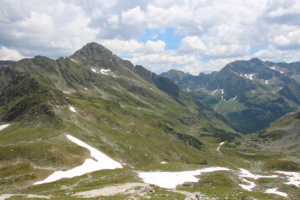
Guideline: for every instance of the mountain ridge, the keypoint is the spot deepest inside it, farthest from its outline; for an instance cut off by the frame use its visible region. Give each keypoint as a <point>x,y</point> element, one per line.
<point>283,133</point>
<point>263,90</point>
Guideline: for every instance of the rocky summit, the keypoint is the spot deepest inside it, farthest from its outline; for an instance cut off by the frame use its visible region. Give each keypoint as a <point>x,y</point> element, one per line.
<point>93,125</point>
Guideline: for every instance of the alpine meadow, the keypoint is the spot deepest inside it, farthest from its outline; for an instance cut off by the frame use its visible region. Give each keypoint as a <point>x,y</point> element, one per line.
<point>93,125</point>
<point>152,99</point>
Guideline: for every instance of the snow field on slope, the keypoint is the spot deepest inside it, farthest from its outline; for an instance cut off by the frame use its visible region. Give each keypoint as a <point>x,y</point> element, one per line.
<point>293,177</point>
<point>172,179</point>
<point>167,180</point>
<point>100,162</point>
<point>72,109</point>
<point>246,174</point>
<point>274,191</point>
<point>218,149</point>
<point>3,126</point>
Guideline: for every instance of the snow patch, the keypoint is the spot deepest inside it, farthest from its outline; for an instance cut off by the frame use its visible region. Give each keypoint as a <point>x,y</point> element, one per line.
<point>214,91</point>
<point>72,109</point>
<point>281,72</point>
<point>267,82</point>
<point>101,71</point>
<point>100,161</point>
<point>172,179</point>
<point>273,68</point>
<point>104,71</point>
<point>293,177</point>
<point>163,162</point>
<point>221,90</point>
<point>275,191</point>
<point>249,76</point>
<point>231,99</point>
<point>246,174</point>
<point>3,126</point>
<point>218,149</point>
<point>247,187</point>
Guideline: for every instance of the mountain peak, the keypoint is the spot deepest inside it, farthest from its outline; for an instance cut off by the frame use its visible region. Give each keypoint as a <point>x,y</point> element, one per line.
<point>99,58</point>
<point>92,50</point>
<point>174,75</point>
<point>255,60</point>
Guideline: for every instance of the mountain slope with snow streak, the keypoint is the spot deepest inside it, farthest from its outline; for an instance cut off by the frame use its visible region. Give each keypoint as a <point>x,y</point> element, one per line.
<point>100,161</point>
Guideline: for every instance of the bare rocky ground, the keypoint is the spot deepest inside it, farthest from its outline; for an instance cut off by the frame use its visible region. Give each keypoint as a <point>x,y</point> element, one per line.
<point>136,190</point>
<point>140,189</point>
<point>23,196</point>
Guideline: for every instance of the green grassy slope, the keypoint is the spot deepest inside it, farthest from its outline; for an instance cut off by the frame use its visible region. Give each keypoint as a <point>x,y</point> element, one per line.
<point>283,134</point>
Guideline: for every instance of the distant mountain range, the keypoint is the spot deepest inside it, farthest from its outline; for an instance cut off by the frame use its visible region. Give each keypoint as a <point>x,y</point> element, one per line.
<point>250,94</point>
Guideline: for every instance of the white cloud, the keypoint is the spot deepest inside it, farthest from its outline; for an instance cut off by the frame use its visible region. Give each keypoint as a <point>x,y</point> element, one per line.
<point>283,12</point>
<point>276,55</point>
<point>10,54</point>
<point>52,28</point>
<point>133,47</point>
<point>228,50</point>
<point>167,59</point>
<point>211,49</point>
<point>213,32</point>
<point>113,21</point>
<point>192,43</point>
<point>133,17</point>
<point>290,40</point>
<point>155,46</point>
<point>179,17</point>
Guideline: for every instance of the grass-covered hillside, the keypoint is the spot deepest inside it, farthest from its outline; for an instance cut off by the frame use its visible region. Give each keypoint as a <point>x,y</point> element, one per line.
<point>284,133</point>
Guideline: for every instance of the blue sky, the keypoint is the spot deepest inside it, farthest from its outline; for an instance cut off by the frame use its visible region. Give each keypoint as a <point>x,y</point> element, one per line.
<point>169,36</point>
<point>188,35</point>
